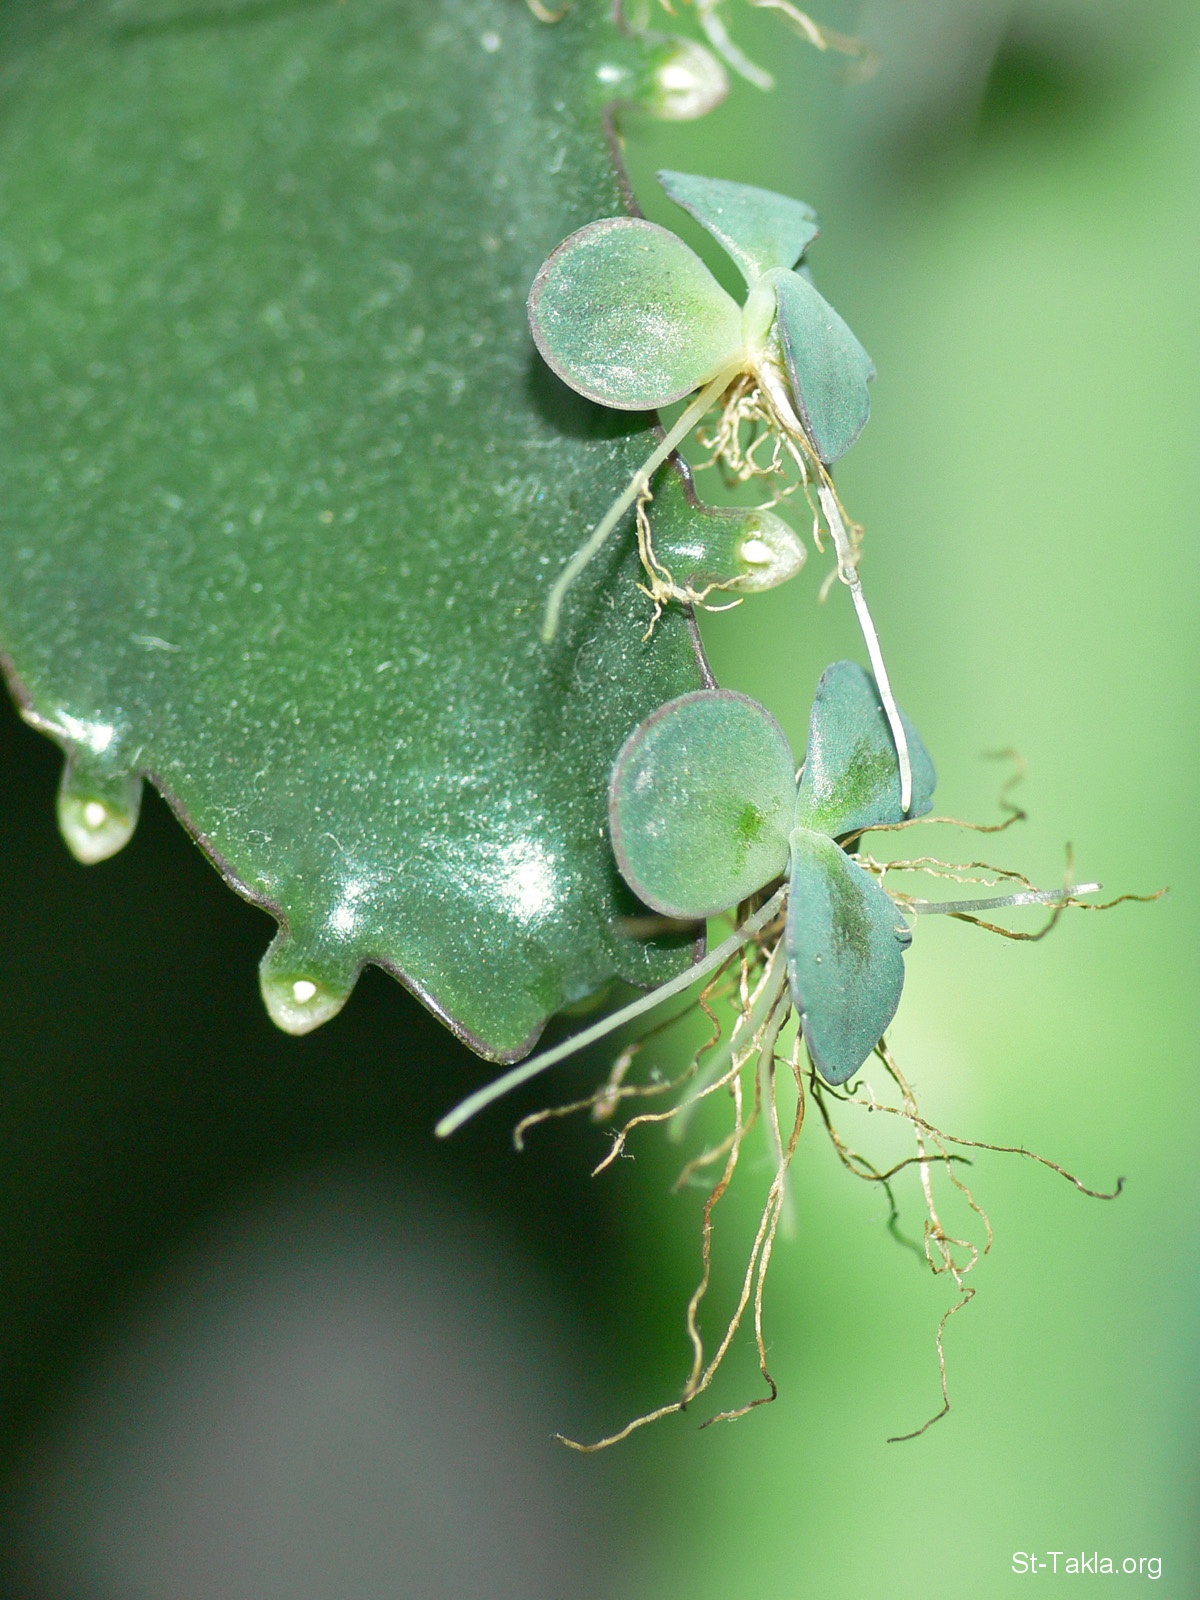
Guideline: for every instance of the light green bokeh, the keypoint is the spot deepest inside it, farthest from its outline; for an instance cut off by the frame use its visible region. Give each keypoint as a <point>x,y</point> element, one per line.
<point>1029,482</point>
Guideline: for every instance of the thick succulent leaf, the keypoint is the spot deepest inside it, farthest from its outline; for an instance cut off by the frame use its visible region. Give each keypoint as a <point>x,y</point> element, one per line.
<point>851,776</point>
<point>845,944</point>
<point>757,228</point>
<point>701,802</point>
<point>629,316</point>
<point>828,367</point>
<point>283,482</point>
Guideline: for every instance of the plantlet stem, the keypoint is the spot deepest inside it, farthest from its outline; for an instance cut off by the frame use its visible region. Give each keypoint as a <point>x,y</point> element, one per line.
<point>638,484</point>
<point>499,1087</point>
<point>1028,897</point>
<point>746,1036</point>
<point>847,560</point>
<point>848,572</point>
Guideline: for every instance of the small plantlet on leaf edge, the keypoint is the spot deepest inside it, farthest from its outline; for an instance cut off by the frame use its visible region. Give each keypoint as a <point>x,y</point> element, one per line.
<point>706,813</point>
<point>630,317</point>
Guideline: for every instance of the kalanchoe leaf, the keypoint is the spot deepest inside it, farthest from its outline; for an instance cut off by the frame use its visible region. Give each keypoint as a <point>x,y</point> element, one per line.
<point>700,803</point>
<point>626,314</point>
<point>828,368</point>
<point>281,495</point>
<point>851,777</point>
<point>756,227</point>
<point>845,943</point>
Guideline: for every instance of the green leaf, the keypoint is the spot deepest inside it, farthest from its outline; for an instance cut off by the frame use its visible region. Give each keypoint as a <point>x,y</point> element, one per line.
<point>629,316</point>
<point>755,227</point>
<point>845,943</point>
<point>283,482</point>
<point>700,804</point>
<point>828,367</point>
<point>851,777</point>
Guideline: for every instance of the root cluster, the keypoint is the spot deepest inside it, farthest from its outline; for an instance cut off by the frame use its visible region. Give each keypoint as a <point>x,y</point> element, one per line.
<point>753,1051</point>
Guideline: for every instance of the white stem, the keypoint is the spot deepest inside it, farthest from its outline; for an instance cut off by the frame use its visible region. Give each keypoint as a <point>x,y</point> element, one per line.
<point>847,558</point>
<point>637,484</point>
<point>745,1030</point>
<point>466,1109</point>
<point>848,572</point>
<point>998,902</point>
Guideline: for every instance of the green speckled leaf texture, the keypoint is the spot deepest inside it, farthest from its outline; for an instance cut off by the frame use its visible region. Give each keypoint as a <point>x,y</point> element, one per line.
<point>283,482</point>
<point>757,228</point>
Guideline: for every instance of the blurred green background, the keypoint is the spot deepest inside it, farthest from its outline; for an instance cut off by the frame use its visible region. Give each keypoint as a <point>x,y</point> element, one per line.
<point>1011,214</point>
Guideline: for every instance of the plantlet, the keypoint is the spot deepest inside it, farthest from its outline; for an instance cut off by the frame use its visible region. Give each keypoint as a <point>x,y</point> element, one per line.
<point>707,815</point>
<point>629,316</point>
<point>705,811</point>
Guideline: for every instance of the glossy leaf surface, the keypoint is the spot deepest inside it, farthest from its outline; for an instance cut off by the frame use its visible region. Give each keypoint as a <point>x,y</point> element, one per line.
<point>283,482</point>
<point>701,802</point>
<point>845,944</point>
<point>629,316</point>
<point>757,228</point>
<point>828,367</point>
<point>851,778</point>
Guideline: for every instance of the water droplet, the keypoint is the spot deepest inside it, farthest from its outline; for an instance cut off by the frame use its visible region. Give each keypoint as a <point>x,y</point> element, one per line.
<point>97,811</point>
<point>302,987</point>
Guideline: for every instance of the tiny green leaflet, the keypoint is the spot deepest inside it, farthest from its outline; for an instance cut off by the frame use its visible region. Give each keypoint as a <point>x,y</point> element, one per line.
<point>628,315</point>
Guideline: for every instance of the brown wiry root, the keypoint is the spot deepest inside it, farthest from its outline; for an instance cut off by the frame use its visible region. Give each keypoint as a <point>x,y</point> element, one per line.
<point>739,1064</point>
<point>945,1254</point>
<point>704,1371</point>
<point>660,585</point>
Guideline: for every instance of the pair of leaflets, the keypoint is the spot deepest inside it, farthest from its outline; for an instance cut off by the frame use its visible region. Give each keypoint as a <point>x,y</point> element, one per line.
<point>628,315</point>
<point>705,810</point>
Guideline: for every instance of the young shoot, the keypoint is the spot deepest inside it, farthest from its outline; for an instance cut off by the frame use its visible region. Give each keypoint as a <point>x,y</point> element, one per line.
<point>629,316</point>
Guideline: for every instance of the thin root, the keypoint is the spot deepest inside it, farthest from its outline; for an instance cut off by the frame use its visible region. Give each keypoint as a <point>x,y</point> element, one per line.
<point>944,1253</point>
<point>765,1009</point>
<point>821,38</point>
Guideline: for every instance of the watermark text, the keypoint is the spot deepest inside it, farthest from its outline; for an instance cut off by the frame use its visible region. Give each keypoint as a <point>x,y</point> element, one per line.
<point>1057,1563</point>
